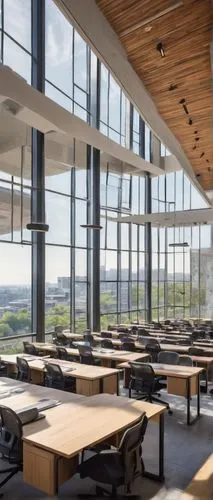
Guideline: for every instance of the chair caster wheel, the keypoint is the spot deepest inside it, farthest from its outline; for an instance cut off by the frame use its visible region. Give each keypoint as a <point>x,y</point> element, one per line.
<point>170,412</point>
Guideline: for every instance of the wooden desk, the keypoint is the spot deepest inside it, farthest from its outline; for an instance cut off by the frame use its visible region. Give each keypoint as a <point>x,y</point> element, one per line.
<point>60,437</point>
<point>201,486</point>
<point>90,380</point>
<point>181,381</point>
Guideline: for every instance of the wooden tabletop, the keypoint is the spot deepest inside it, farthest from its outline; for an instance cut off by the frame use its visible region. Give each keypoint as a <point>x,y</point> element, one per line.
<point>170,370</point>
<point>74,426</point>
<point>77,370</point>
<point>116,355</point>
<point>31,395</point>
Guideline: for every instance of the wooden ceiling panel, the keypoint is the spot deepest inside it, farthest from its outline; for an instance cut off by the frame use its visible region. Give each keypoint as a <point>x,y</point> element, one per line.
<point>186,34</point>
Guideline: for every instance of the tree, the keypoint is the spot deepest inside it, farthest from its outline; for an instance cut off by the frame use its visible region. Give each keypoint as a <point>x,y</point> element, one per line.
<point>58,315</point>
<point>5,329</point>
<point>18,322</point>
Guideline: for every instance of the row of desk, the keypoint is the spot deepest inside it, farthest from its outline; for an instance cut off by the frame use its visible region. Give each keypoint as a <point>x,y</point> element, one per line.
<point>51,446</point>
<point>90,380</point>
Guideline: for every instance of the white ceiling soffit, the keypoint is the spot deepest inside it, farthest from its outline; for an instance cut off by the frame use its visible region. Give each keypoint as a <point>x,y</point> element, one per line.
<point>166,219</point>
<point>95,29</point>
<point>40,112</point>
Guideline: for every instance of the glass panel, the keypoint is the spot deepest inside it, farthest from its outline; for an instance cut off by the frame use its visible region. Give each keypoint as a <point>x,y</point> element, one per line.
<point>125,236</point>
<point>104,94</point>
<point>80,218</point>
<point>58,218</point>
<point>134,266</point>
<point>15,289</point>
<point>124,266</point>
<point>80,265</point>
<point>80,61</point>
<point>114,105</point>
<point>17,21</point>
<point>141,266</point>
<point>141,295</point>
<point>111,234</point>
<point>179,191</point>
<point>80,307</point>
<point>17,59</point>
<point>58,56</point>
<point>58,97</point>
<point>134,229</point>
<point>57,287</point>
<point>108,297</point>
<point>124,297</point>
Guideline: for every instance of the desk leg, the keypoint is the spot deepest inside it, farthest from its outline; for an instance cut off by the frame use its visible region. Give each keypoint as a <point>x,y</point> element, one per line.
<point>159,477</point>
<point>207,379</point>
<point>118,379</point>
<point>189,421</point>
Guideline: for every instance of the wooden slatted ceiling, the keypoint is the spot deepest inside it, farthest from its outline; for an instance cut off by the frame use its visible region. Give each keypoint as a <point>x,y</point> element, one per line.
<point>186,33</point>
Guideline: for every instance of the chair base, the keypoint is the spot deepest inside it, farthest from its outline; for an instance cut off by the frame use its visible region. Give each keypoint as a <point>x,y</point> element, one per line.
<point>153,399</point>
<point>11,471</point>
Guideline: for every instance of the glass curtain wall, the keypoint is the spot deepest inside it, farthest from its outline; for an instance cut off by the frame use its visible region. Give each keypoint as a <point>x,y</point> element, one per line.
<point>180,285</point>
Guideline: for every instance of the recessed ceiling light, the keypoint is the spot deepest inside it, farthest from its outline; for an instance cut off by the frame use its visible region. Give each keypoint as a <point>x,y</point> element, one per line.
<point>172,87</point>
<point>182,101</point>
<point>190,121</point>
<point>147,29</point>
<point>194,147</point>
<point>202,154</point>
<point>197,138</point>
<point>160,49</point>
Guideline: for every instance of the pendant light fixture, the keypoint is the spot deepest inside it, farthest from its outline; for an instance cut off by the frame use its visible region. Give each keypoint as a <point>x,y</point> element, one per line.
<point>96,227</point>
<point>179,244</point>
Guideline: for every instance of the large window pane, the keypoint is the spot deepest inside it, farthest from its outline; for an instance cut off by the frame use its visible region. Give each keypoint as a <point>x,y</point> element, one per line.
<point>15,289</point>
<point>108,297</point>
<point>17,59</point>
<point>80,265</point>
<point>59,33</point>
<point>58,218</point>
<point>80,61</point>
<point>57,287</point>
<point>17,21</point>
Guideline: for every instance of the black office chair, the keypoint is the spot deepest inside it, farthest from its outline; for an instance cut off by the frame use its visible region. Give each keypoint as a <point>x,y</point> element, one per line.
<point>11,444</point>
<point>107,344</point>
<point>88,337</point>
<point>118,467</point>
<point>3,369</point>
<point>128,346</point>
<point>106,335</point>
<point>62,353</point>
<point>23,373</point>
<point>134,329</point>
<point>143,380</point>
<point>185,360</point>
<point>142,332</point>
<point>196,351</point>
<point>30,349</point>
<point>168,358</point>
<point>61,339</point>
<point>86,355</point>
<point>153,348</point>
<point>124,337</point>
<point>55,378</point>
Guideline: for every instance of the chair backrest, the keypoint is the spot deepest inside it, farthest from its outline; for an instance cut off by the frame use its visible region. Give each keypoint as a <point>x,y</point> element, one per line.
<point>124,337</point>
<point>86,356</point>
<point>123,329</point>
<point>62,352</point>
<point>88,337</point>
<point>143,332</point>
<point>196,351</point>
<point>106,344</point>
<point>153,348</point>
<point>23,369</point>
<point>168,357</point>
<point>185,360</point>
<point>128,346</point>
<point>106,335</point>
<point>59,329</point>
<point>29,348</point>
<point>130,449</point>
<point>62,339</point>
<point>11,446</point>
<point>54,376</point>
<point>142,377</point>
<point>134,329</point>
